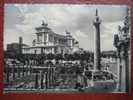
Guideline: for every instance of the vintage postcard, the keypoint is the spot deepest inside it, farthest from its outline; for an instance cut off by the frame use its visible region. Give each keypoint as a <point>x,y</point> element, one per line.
<point>66,48</point>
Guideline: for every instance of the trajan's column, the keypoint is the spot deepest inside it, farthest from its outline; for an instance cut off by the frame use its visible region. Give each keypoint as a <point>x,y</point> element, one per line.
<point>97,58</point>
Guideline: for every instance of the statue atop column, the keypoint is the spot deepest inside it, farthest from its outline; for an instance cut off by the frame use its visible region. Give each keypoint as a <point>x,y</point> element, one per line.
<point>44,23</point>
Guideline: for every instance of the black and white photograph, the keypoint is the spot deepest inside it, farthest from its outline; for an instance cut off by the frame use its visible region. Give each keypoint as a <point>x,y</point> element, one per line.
<point>66,48</point>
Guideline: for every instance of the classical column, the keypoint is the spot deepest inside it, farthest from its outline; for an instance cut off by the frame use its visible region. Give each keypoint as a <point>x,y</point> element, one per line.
<point>30,69</point>
<point>42,78</point>
<point>126,50</point>
<point>23,71</point>
<point>36,79</point>
<point>41,50</point>
<point>26,70</point>
<point>43,38</point>
<point>18,71</point>
<point>46,80</point>
<point>97,58</point>
<point>47,38</point>
<point>13,72</point>
<point>7,74</point>
<point>119,72</point>
<point>122,43</point>
<point>52,76</point>
<point>126,66</point>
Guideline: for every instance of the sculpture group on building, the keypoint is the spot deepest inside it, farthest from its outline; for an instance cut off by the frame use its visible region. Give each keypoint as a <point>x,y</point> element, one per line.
<point>48,41</point>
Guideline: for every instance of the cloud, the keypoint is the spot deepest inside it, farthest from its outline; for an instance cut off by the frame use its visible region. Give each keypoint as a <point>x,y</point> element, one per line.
<point>12,16</point>
<point>80,34</point>
<point>21,20</point>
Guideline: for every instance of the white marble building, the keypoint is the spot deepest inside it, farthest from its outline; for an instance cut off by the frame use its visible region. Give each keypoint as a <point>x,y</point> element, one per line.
<point>48,41</point>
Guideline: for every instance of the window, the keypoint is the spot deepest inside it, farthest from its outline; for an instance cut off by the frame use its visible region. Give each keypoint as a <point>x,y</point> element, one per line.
<point>45,38</point>
<point>39,37</point>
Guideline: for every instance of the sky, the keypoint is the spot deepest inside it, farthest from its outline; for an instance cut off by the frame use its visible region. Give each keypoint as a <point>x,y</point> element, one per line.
<point>21,20</point>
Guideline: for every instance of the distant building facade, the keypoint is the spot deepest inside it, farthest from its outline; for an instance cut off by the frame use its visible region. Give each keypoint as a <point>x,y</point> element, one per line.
<point>15,48</point>
<point>48,41</point>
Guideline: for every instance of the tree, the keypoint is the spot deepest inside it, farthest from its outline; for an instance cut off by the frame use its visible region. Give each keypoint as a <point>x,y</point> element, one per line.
<point>50,56</point>
<point>67,57</point>
<point>76,56</point>
<point>85,56</point>
<point>58,57</point>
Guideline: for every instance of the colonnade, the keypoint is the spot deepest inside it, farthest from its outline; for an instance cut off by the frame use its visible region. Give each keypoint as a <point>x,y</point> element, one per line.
<point>42,78</point>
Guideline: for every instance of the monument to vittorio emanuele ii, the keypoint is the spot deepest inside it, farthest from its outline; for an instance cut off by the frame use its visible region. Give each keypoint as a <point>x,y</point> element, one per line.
<point>48,41</point>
